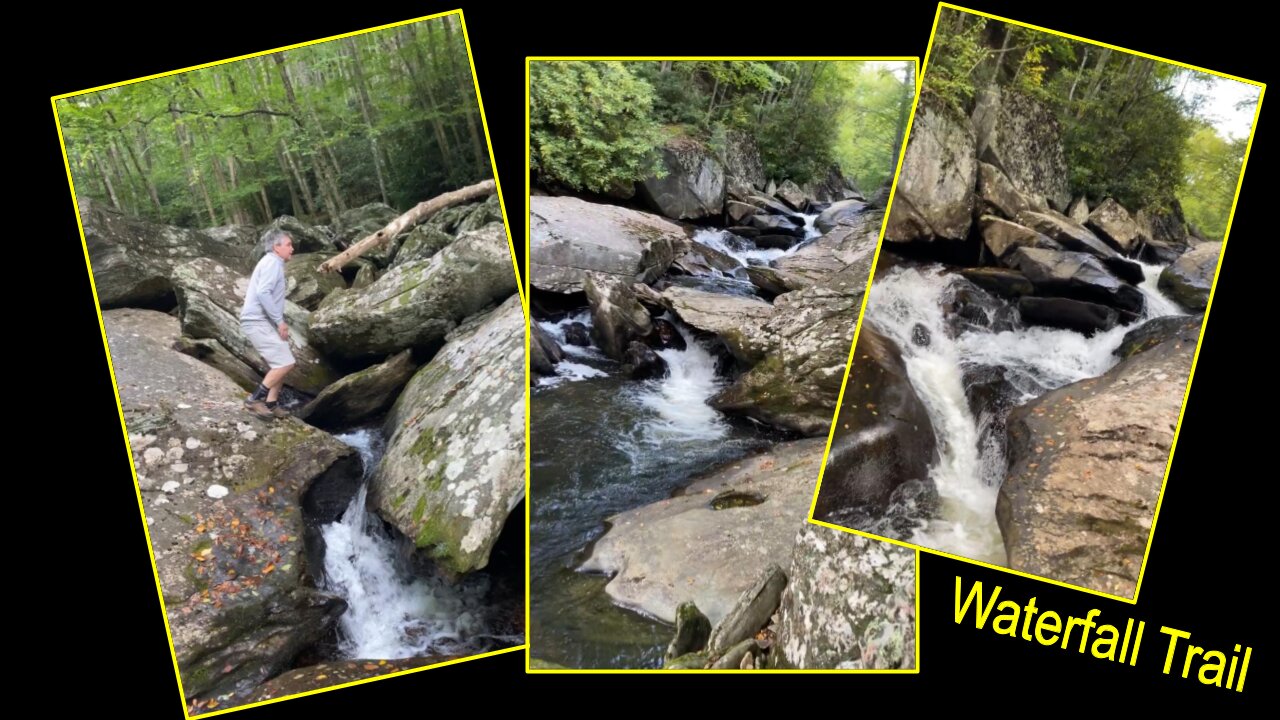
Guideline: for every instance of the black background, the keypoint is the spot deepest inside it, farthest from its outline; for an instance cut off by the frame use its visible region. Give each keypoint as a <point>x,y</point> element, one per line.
<point>83,571</point>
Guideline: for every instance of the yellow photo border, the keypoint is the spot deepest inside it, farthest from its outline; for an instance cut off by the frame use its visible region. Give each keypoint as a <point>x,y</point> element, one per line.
<point>528,580</point>
<point>111,367</point>
<point>1186,393</point>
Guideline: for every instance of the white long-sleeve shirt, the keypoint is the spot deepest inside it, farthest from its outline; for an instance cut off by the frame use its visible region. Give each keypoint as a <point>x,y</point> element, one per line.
<point>264,298</point>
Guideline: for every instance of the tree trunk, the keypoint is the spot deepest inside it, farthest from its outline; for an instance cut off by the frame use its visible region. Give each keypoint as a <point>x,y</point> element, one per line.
<point>322,171</point>
<point>366,109</point>
<point>194,180</point>
<point>429,103</point>
<point>420,212</point>
<point>106,180</point>
<point>470,97</point>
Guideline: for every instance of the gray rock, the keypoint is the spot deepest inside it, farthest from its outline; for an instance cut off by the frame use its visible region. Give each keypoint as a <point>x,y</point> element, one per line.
<point>365,276</point>
<point>454,465</point>
<point>356,224</point>
<point>1002,236</point>
<point>751,613</point>
<point>791,194</point>
<point>934,197</point>
<point>1086,462</point>
<point>1083,317</point>
<point>693,186</point>
<point>883,438</point>
<point>1079,210</point>
<point>306,238</point>
<point>833,187</point>
<point>846,251</point>
<point>692,631</point>
<point>1075,275</point>
<point>545,352</point>
<point>684,549</point>
<point>210,297</point>
<point>741,159</point>
<point>736,212</point>
<point>1154,332</point>
<point>736,319</point>
<point>1112,223</point>
<point>1021,136</point>
<point>850,603</point>
<point>570,237</point>
<point>231,568</point>
<point>735,657</point>
<point>306,286</point>
<point>617,317</point>
<point>1008,283</point>
<point>421,243</point>
<point>841,212</point>
<point>767,280</point>
<point>360,395</point>
<point>702,261</point>
<point>1067,233</point>
<point>213,354</point>
<point>776,225</point>
<point>998,194</point>
<point>640,362</point>
<point>133,260</point>
<point>416,304</point>
<point>1189,280</point>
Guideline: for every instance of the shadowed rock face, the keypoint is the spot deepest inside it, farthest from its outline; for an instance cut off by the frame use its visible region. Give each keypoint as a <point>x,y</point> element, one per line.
<point>849,604</point>
<point>693,187</point>
<point>133,260</point>
<point>453,468</point>
<point>1086,462</point>
<point>360,395</point>
<point>221,491</point>
<point>684,548</point>
<point>570,237</point>
<point>1021,136</point>
<point>1075,275</point>
<point>416,304</point>
<point>934,197</point>
<point>1189,279</point>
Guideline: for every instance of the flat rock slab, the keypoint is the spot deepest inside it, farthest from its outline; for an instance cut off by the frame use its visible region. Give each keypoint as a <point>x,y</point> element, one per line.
<point>569,237</point>
<point>737,319</point>
<point>682,548</point>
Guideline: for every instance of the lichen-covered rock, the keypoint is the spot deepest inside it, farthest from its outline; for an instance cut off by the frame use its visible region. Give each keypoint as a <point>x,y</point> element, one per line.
<point>832,187</point>
<point>569,237</point>
<point>1021,136</point>
<point>1086,462</point>
<point>850,604</point>
<point>791,194</point>
<point>362,394</point>
<point>883,436</point>
<point>421,243</point>
<point>306,286</point>
<point>998,195</point>
<point>454,465</point>
<point>133,260</point>
<point>416,304</point>
<point>736,319</point>
<point>356,224</point>
<point>1111,222</point>
<point>1189,279</point>
<point>685,549</point>
<point>847,249</point>
<point>210,297</point>
<point>692,631</point>
<point>741,160</point>
<point>221,494</point>
<point>809,333</point>
<point>693,186</point>
<point>934,198</point>
<point>617,317</point>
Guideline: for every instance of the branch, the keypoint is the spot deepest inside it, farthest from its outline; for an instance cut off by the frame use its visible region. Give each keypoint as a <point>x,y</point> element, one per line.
<point>222,116</point>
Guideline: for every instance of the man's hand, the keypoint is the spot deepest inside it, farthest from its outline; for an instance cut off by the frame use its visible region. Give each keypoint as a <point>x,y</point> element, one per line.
<point>284,331</point>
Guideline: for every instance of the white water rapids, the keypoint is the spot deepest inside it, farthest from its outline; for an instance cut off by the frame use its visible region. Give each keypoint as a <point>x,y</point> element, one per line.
<point>390,614</point>
<point>1035,359</point>
<point>745,251</point>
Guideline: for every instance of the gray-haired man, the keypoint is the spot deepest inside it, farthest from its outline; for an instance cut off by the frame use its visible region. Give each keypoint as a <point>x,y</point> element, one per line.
<point>262,321</point>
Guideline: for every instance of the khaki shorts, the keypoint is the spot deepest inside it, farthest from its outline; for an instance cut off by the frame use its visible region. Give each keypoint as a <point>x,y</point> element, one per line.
<point>266,340</point>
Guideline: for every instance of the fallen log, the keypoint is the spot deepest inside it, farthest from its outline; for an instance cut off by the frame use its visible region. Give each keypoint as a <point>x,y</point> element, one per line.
<point>417,214</point>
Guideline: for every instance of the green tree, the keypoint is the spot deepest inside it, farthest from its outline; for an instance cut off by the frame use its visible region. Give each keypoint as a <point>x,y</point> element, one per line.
<point>1212,173</point>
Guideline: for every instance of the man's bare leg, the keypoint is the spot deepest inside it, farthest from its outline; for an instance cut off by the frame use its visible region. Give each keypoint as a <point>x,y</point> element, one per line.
<point>274,380</point>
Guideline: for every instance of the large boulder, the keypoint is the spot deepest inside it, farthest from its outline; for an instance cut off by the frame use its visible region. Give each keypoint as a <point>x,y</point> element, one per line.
<point>416,304</point>
<point>1189,279</point>
<point>358,223</point>
<point>617,317</point>
<point>210,297</point>
<point>1111,222</point>
<point>850,604</point>
<point>849,249</point>
<point>360,395</point>
<point>840,212</point>
<point>544,352</point>
<point>883,437</point>
<point>741,160</point>
<point>221,491</point>
<point>712,542</point>
<point>306,285</point>
<point>421,243</point>
<point>1079,210</point>
<point>791,194</point>
<point>569,237</point>
<point>796,384</point>
<point>693,184</point>
<point>1083,317</point>
<point>1021,136</point>
<point>998,194</point>
<point>832,187</point>
<point>934,198</point>
<point>133,260</point>
<point>306,238</point>
<point>1001,236</point>
<point>737,320</point>
<point>1086,462</point>
<point>1067,233</point>
<point>1075,275</point>
<point>454,465</point>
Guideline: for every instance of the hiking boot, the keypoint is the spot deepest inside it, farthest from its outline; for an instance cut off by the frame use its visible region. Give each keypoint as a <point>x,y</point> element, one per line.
<point>278,412</point>
<point>259,408</point>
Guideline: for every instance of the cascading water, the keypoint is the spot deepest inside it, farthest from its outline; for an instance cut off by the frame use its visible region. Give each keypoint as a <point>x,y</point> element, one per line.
<point>745,251</point>
<point>390,613</point>
<point>1033,360</point>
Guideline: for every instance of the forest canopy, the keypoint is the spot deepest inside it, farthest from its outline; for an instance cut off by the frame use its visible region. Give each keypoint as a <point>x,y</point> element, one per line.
<point>1132,127</point>
<point>595,125</point>
<point>387,116</point>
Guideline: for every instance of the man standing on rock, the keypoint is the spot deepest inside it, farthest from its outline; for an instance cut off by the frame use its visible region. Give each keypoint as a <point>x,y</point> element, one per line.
<point>262,322</point>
